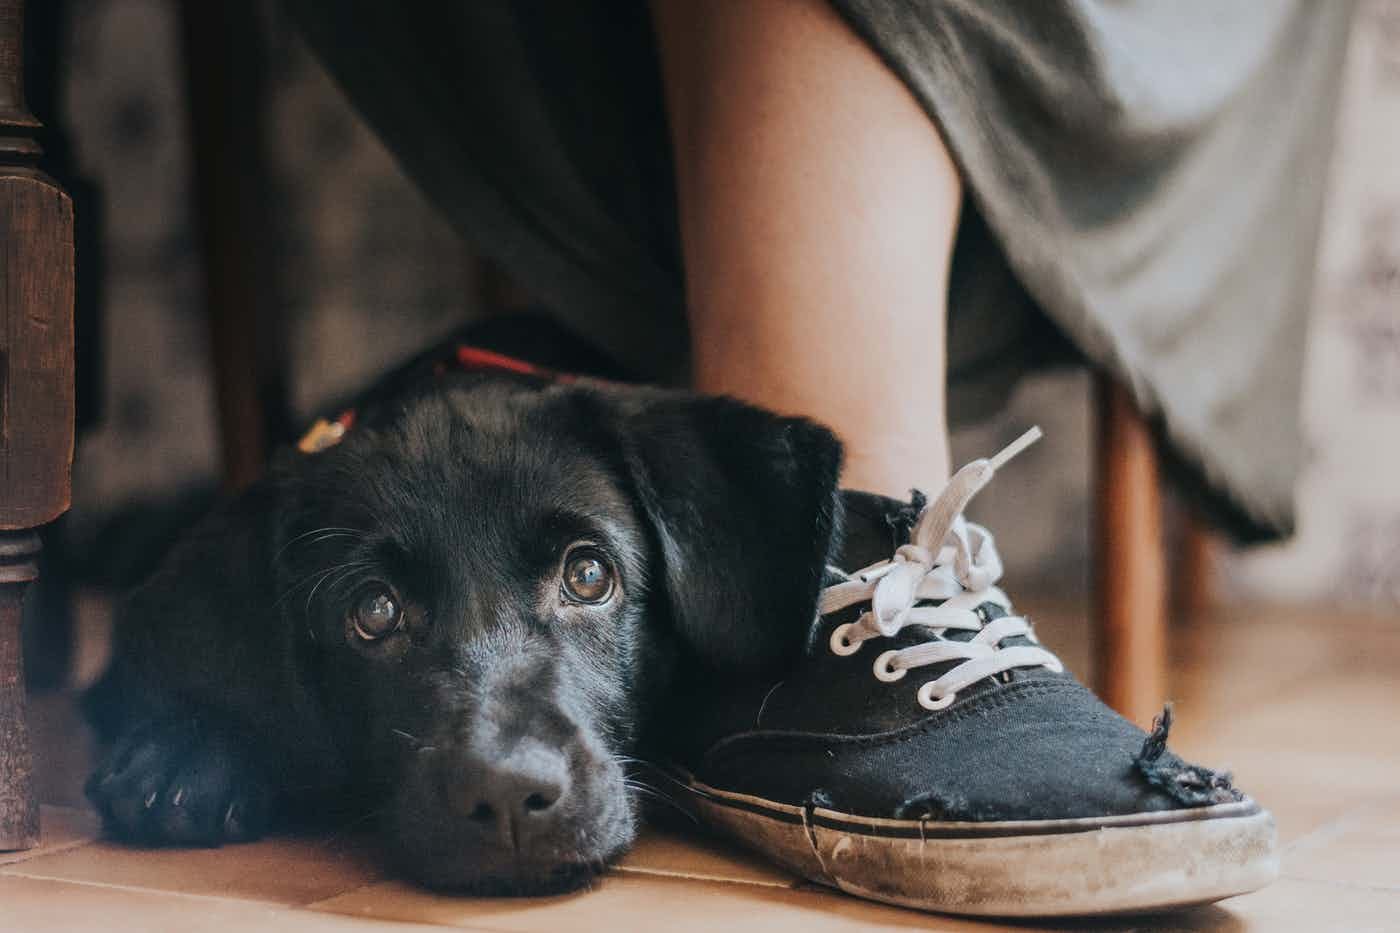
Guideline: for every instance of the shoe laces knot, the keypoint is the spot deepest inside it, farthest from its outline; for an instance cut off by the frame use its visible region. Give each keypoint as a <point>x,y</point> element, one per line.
<point>940,580</point>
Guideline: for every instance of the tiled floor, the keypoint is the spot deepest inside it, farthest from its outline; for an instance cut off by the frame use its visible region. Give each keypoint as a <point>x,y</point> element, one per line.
<point>1303,708</point>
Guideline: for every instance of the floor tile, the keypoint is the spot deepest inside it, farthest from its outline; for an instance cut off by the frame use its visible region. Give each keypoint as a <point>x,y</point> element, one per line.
<point>668,853</point>
<point>281,870</point>
<point>60,829</point>
<point>1286,783</point>
<point>679,905</point>
<point>37,905</point>
<point>644,903</point>
<point>1360,848</point>
<point>1273,696</point>
<point>1289,906</point>
<point>1244,660</point>
<point>1324,717</point>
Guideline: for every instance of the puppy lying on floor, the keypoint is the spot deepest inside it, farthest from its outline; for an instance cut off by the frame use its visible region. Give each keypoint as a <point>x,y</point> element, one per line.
<point>459,617</point>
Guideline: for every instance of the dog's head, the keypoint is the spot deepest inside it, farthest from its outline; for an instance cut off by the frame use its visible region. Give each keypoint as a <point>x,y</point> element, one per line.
<point>495,578</point>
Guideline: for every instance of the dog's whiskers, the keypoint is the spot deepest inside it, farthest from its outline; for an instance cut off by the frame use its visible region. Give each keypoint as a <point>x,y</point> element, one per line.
<point>343,570</point>
<point>329,531</point>
<point>346,573</point>
<point>657,794</point>
<point>420,746</point>
<point>311,577</point>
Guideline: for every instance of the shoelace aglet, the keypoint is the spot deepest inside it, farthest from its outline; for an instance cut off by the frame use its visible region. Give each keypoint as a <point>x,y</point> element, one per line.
<point>1016,446</point>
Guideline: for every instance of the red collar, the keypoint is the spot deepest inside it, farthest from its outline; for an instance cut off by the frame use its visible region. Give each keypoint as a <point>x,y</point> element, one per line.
<point>327,433</point>
<point>475,359</point>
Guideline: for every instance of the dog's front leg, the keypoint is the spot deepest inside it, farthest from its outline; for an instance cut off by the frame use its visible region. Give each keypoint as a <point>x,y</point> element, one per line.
<point>206,709</point>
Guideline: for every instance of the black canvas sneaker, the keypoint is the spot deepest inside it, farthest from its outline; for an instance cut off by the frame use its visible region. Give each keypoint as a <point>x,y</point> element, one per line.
<point>928,752</point>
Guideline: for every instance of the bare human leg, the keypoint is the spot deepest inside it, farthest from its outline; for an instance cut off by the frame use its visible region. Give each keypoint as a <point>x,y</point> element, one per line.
<point>818,206</point>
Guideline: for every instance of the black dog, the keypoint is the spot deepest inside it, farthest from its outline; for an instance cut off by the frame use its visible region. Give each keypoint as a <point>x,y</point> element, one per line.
<point>459,617</point>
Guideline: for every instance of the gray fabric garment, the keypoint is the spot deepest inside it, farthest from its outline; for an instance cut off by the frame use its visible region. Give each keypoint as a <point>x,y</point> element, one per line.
<point>1152,172</point>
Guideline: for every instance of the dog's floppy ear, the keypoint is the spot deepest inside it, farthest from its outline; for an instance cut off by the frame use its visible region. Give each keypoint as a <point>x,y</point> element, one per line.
<point>742,504</point>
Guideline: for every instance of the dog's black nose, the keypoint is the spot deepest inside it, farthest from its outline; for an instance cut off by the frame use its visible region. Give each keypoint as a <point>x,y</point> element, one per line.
<point>515,796</point>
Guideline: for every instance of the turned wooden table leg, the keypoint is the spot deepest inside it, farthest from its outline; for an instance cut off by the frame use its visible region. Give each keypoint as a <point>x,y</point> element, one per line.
<point>1130,644</point>
<point>36,401</point>
<point>19,810</point>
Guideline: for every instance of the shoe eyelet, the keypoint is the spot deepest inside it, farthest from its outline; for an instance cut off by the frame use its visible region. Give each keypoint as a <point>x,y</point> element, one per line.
<point>841,644</point>
<point>885,671</point>
<point>929,702</point>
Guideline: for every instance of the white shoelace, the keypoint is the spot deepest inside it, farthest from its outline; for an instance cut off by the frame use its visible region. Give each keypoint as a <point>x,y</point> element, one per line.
<point>947,558</point>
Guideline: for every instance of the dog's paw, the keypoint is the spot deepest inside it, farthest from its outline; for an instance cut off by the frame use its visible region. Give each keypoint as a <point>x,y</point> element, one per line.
<point>180,784</point>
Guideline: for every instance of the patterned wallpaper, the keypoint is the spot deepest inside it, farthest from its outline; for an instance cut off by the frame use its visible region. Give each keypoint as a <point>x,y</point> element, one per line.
<point>127,126</point>
<point>1348,544</point>
<point>368,272</point>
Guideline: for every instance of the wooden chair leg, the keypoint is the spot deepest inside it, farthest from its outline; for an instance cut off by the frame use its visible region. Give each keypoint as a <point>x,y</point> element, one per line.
<point>1193,570</point>
<point>1130,644</point>
<point>223,65</point>
<point>36,401</point>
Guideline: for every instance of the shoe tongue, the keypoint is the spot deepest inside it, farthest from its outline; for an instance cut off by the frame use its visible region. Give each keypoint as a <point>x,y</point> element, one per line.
<point>874,526</point>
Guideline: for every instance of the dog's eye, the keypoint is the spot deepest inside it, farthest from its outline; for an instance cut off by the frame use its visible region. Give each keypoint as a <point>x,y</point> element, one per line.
<point>376,614</point>
<point>588,577</point>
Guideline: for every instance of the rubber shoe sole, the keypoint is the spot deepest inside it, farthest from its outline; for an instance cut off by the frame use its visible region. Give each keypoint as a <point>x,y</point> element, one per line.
<point>1038,868</point>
